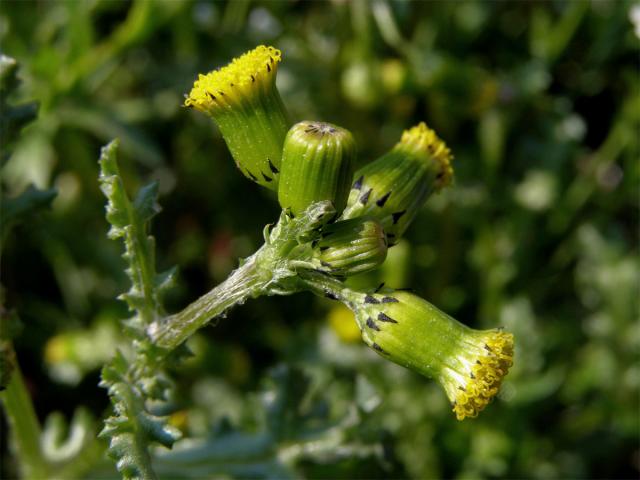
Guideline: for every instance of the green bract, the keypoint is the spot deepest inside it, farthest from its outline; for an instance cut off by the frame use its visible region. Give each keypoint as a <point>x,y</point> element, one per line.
<point>317,165</point>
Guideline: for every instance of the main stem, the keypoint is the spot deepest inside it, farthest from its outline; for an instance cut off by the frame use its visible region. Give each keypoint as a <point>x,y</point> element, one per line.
<point>25,427</point>
<point>249,280</point>
<point>271,270</point>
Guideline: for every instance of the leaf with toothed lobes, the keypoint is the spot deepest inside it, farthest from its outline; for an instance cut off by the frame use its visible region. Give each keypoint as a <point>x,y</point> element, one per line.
<point>133,382</point>
<point>129,221</point>
<point>394,187</point>
<point>12,117</point>
<point>133,428</point>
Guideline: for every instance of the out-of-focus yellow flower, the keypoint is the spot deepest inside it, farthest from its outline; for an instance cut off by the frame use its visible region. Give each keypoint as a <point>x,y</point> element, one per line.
<point>179,420</point>
<point>343,324</point>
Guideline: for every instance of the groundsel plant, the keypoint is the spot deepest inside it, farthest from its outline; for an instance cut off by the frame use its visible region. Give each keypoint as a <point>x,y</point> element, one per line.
<point>335,223</point>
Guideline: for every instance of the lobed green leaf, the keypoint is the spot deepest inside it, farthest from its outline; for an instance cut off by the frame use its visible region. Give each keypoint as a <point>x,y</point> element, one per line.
<point>131,382</point>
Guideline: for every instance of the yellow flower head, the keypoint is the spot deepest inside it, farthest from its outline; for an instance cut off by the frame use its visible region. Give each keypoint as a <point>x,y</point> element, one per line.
<point>242,99</point>
<point>237,81</point>
<point>474,377</point>
<point>421,140</point>
<point>393,188</point>
<point>406,329</point>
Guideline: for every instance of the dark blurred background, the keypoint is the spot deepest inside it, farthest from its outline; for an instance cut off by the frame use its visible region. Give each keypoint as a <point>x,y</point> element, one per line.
<point>540,104</point>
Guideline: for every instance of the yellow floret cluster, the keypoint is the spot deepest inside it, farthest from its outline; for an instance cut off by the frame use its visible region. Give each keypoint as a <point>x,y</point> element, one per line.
<point>485,376</point>
<point>243,78</point>
<point>422,139</point>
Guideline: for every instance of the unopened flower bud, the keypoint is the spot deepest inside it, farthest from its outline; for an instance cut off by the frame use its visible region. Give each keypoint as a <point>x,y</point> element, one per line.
<point>469,364</point>
<point>317,164</point>
<point>243,100</point>
<point>395,186</point>
<point>351,246</point>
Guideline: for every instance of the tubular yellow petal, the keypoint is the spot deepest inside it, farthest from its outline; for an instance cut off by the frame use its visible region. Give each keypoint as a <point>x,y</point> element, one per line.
<point>485,375</point>
<point>422,140</point>
<point>237,81</point>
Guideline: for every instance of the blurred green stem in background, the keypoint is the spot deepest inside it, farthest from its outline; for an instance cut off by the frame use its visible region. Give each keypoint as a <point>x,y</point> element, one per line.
<point>144,17</point>
<point>25,427</point>
<point>620,137</point>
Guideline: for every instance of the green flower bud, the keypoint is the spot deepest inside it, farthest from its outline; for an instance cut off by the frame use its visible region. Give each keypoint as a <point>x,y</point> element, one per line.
<point>243,100</point>
<point>470,364</point>
<point>351,246</point>
<point>395,186</point>
<point>317,164</point>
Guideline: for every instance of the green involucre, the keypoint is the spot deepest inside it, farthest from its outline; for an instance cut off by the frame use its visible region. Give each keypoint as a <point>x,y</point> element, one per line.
<point>254,134</point>
<point>394,187</point>
<point>317,165</point>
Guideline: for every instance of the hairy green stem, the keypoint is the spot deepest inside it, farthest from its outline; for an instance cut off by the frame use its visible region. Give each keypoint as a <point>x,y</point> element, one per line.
<point>252,279</point>
<point>248,281</point>
<point>272,270</point>
<point>25,427</point>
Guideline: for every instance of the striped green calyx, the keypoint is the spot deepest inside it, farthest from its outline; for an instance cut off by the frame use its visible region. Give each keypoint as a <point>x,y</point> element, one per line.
<point>317,165</point>
<point>469,364</point>
<point>351,246</point>
<point>244,102</point>
<point>395,186</point>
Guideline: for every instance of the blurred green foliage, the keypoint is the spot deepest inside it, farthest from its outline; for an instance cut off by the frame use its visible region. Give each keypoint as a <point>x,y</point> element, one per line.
<point>540,103</point>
